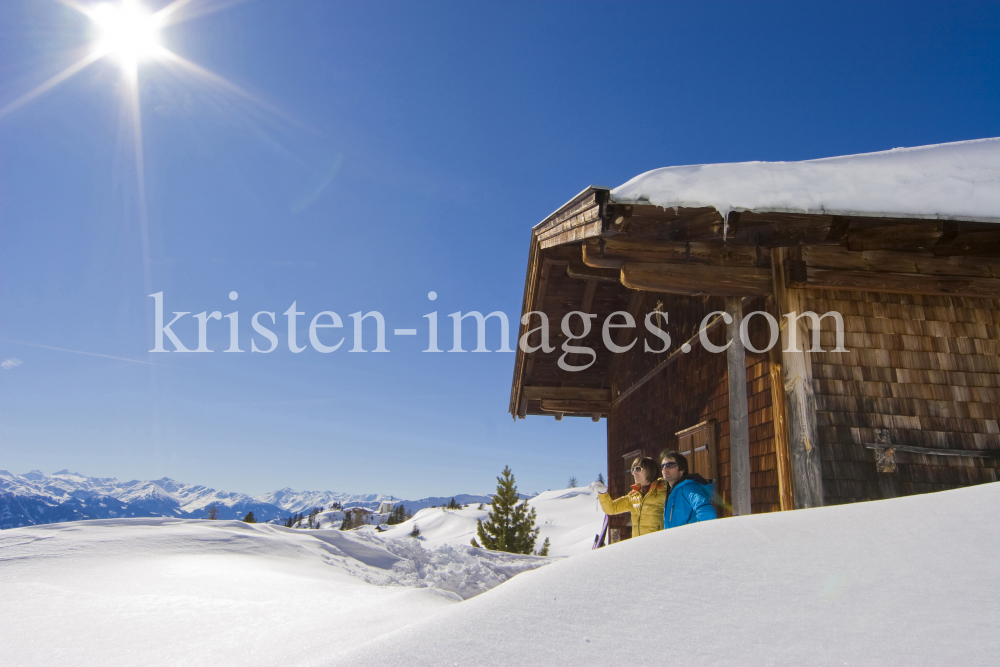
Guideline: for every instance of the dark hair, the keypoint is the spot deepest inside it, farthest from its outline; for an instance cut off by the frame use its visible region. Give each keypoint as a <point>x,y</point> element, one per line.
<point>649,465</point>
<point>679,458</point>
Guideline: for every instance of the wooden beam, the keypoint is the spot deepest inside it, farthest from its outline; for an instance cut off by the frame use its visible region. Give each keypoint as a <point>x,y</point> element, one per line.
<point>580,218</point>
<point>611,252</point>
<point>697,280</point>
<point>800,403</point>
<point>593,256</point>
<point>779,417</point>
<point>885,261</point>
<point>903,283</point>
<point>583,225</point>
<point>588,408</point>
<point>581,271</point>
<point>909,235</point>
<point>929,451</point>
<point>972,242</point>
<point>671,358</point>
<point>566,393</point>
<point>739,418</point>
<point>538,303</point>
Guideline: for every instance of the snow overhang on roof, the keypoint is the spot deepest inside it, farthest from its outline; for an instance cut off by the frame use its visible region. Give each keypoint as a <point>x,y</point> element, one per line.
<point>955,181</point>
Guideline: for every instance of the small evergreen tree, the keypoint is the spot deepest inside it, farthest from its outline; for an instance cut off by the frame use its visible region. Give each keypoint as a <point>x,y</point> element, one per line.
<point>481,507</point>
<point>600,477</point>
<point>453,505</point>
<point>572,482</point>
<point>510,524</point>
<point>415,533</point>
<point>544,551</point>
<point>349,521</point>
<point>213,512</point>
<point>249,518</point>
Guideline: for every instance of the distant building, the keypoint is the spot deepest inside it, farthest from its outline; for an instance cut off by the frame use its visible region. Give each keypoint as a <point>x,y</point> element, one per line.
<point>386,506</point>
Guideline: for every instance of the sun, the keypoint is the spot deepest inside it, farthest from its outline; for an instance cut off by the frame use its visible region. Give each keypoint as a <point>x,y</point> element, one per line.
<point>128,32</point>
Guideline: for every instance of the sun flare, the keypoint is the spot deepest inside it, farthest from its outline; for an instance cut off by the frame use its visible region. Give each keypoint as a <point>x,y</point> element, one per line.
<point>128,32</point>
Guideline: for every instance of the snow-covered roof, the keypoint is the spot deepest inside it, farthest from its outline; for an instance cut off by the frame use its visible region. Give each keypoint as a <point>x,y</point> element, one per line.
<point>956,181</point>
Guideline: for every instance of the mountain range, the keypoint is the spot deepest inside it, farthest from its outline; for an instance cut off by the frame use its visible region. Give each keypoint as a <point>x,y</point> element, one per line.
<point>35,498</point>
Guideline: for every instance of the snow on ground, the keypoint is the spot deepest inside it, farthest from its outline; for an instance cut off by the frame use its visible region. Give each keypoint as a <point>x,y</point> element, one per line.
<point>911,581</point>
<point>570,518</point>
<point>191,592</point>
<point>959,180</point>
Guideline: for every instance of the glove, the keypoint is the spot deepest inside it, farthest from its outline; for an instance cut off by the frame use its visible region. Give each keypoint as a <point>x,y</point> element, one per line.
<point>600,488</point>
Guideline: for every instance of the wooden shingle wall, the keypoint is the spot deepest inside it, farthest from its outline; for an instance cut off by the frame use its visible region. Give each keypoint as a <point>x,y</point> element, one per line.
<point>922,371</point>
<point>691,390</point>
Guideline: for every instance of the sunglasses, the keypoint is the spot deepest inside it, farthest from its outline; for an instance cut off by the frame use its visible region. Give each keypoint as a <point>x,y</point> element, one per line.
<point>637,469</point>
<point>669,464</point>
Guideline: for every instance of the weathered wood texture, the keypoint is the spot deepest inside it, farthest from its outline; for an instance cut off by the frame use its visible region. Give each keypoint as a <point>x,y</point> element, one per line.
<point>580,218</point>
<point>739,428</point>
<point>920,371</point>
<point>697,279</point>
<point>691,390</point>
<point>779,415</point>
<point>800,403</point>
<point>556,292</point>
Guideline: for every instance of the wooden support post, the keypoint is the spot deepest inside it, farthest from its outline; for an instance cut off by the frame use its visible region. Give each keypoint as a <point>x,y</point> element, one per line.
<point>739,420</point>
<point>800,403</point>
<point>779,419</point>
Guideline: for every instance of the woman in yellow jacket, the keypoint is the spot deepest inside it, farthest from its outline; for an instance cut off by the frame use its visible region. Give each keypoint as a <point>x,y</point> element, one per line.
<point>645,501</point>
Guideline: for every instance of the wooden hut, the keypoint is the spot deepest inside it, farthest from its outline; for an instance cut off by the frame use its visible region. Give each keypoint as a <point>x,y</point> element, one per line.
<point>903,244</point>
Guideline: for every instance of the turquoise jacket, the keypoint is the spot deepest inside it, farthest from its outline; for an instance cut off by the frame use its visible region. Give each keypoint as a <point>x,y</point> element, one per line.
<point>689,502</point>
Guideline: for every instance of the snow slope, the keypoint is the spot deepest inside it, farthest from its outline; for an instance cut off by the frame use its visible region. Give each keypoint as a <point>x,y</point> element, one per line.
<point>959,180</point>
<point>911,581</point>
<point>293,502</point>
<point>570,518</point>
<point>163,591</point>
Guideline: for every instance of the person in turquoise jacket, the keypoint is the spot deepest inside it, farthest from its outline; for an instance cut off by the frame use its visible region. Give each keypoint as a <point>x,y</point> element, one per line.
<point>690,498</point>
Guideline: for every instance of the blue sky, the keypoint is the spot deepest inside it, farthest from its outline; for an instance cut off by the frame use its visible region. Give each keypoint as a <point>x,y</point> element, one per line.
<point>400,148</point>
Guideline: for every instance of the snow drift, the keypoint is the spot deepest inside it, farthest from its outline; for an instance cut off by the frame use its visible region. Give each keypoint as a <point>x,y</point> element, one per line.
<point>911,581</point>
<point>569,518</point>
<point>959,180</point>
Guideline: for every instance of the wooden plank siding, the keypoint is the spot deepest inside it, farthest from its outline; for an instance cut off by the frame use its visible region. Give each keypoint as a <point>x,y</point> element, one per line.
<point>921,371</point>
<point>692,390</point>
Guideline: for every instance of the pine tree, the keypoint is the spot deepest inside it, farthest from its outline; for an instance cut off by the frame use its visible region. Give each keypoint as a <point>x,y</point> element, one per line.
<point>249,518</point>
<point>545,548</point>
<point>348,522</point>
<point>572,482</point>
<point>213,512</point>
<point>510,524</point>
<point>453,505</point>
<point>415,533</point>
<point>600,477</point>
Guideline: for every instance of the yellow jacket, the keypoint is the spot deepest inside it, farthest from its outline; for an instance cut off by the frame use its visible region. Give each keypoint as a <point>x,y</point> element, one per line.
<point>647,510</point>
